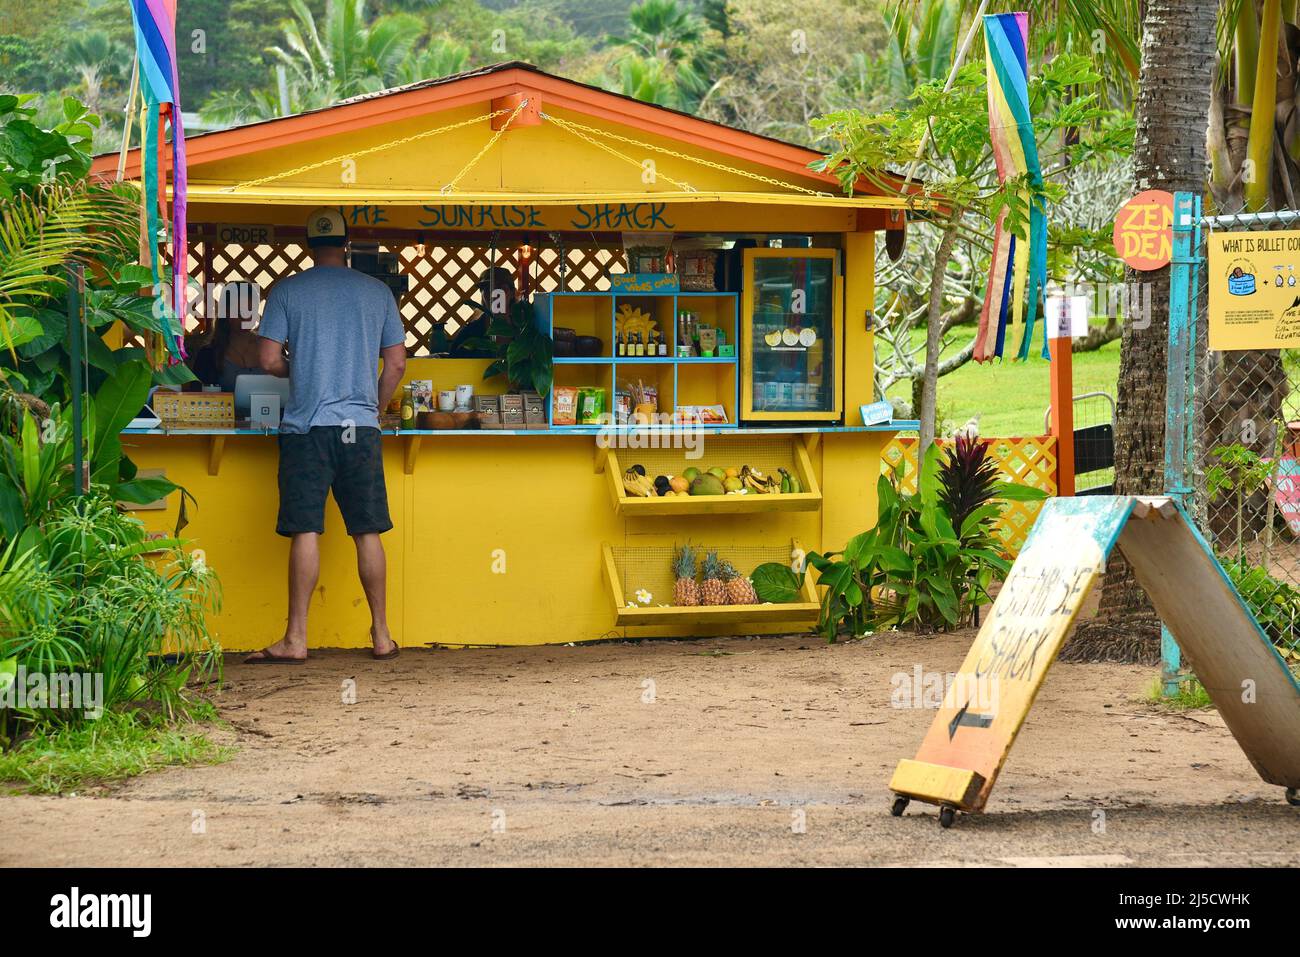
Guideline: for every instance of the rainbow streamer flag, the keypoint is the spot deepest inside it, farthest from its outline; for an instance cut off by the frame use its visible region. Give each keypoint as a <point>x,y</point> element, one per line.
<point>155,44</point>
<point>1018,264</point>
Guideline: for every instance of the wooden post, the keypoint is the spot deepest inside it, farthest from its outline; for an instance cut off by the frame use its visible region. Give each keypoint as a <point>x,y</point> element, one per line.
<point>1062,376</point>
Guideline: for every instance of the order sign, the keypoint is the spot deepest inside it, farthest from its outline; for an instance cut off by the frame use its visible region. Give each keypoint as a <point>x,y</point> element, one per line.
<point>1254,290</point>
<point>1144,230</point>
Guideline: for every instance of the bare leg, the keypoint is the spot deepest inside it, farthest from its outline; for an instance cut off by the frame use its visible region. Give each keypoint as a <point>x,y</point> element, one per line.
<point>304,570</point>
<point>371,567</point>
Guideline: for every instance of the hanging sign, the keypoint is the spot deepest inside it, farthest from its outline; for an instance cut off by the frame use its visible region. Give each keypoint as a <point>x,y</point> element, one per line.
<point>246,234</point>
<point>1254,290</point>
<point>1144,230</point>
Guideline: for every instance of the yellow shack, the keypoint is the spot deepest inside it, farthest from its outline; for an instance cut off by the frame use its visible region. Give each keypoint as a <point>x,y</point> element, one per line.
<point>749,280</point>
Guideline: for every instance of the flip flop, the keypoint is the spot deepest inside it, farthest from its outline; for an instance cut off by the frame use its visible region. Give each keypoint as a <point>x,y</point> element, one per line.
<point>270,659</point>
<point>388,655</point>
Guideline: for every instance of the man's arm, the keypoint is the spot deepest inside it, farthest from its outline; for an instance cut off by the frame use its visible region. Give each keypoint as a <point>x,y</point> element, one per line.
<point>394,368</point>
<point>270,356</point>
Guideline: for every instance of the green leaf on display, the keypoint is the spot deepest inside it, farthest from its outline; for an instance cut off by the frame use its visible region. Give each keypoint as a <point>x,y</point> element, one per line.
<point>776,583</point>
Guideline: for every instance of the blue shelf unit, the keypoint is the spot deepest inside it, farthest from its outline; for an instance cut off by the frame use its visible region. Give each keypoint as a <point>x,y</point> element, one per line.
<point>681,381</point>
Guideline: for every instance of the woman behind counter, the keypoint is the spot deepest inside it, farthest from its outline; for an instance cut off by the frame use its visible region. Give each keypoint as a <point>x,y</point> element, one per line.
<point>227,353</point>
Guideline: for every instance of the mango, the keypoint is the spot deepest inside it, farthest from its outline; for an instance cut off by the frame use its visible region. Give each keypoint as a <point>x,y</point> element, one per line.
<point>707,485</point>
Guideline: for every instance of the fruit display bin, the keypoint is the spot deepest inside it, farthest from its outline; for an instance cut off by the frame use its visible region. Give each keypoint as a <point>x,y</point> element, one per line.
<point>648,568</point>
<point>767,453</point>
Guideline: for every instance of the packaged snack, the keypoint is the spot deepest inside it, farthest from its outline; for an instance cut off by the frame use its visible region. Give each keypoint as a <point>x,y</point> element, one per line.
<point>564,408</point>
<point>701,415</point>
<point>591,405</point>
<point>422,394</point>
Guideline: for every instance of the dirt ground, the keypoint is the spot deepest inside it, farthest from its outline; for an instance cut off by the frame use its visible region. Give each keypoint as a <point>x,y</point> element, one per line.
<point>550,756</point>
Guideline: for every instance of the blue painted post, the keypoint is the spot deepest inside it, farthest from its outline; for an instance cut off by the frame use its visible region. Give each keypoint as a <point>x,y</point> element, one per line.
<point>1184,280</point>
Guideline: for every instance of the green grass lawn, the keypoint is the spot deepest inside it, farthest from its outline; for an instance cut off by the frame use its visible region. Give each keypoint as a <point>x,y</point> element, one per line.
<point>1011,397</point>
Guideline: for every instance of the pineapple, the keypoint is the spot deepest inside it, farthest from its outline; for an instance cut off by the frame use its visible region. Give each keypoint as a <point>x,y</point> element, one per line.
<point>740,591</point>
<point>712,590</point>
<point>686,592</point>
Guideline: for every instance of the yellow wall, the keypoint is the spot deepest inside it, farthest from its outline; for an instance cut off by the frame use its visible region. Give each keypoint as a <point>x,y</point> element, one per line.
<point>537,498</point>
<point>859,344</point>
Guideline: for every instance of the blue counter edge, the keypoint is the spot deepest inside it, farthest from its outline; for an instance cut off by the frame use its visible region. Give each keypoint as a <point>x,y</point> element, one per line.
<point>901,425</point>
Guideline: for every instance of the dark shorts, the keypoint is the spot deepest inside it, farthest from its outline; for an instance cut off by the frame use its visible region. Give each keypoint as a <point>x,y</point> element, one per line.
<point>314,463</point>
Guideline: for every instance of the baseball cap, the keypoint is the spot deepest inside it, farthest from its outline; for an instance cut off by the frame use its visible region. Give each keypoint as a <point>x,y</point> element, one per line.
<point>326,227</point>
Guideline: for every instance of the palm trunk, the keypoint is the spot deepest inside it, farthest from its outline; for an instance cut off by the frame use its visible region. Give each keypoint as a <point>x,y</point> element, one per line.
<point>1259,148</point>
<point>1178,45</point>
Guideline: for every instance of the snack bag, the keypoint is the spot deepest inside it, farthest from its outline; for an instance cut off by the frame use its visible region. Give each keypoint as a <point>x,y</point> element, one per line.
<point>591,405</point>
<point>564,408</point>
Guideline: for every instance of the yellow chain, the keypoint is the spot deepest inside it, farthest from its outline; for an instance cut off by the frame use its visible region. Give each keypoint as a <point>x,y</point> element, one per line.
<point>574,127</point>
<point>373,149</point>
<point>576,131</point>
<point>492,140</point>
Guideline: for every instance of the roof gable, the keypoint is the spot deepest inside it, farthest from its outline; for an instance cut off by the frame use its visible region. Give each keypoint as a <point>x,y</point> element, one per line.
<point>380,121</point>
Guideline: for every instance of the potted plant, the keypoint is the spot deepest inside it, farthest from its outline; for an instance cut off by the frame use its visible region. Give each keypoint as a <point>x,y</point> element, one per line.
<point>523,351</point>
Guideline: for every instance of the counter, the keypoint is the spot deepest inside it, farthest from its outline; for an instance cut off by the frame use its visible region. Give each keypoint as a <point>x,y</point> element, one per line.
<point>515,537</point>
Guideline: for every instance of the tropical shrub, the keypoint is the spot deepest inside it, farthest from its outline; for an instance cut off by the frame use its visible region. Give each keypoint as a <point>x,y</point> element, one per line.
<point>86,594</point>
<point>52,218</point>
<point>89,593</point>
<point>932,556</point>
<point>1274,603</point>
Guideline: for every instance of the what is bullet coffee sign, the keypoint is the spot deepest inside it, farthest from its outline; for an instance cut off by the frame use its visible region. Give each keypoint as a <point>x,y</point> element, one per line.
<point>1254,281</point>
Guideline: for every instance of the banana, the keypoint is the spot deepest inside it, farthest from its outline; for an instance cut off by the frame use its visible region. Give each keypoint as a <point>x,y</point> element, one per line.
<point>785,481</point>
<point>754,480</point>
<point>637,485</point>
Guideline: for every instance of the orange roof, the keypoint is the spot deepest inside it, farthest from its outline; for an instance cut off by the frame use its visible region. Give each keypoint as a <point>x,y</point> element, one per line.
<point>483,86</point>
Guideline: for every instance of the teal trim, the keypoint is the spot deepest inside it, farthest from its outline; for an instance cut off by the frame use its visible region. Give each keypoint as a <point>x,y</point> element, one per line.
<point>1099,517</point>
<point>1180,385</point>
<point>900,425</point>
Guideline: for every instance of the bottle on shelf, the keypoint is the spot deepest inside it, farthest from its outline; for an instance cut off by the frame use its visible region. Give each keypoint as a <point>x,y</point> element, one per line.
<point>407,408</point>
<point>621,347</point>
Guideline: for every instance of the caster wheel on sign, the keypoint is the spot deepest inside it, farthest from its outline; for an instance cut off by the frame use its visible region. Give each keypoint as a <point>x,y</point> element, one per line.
<point>946,816</point>
<point>1293,797</point>
<point>899,806</point>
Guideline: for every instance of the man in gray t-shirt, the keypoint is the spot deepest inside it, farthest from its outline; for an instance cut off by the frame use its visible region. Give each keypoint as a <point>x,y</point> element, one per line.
<point>335,324</point>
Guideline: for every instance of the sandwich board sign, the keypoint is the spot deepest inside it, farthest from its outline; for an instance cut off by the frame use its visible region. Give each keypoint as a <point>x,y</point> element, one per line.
<point>1063,559</point>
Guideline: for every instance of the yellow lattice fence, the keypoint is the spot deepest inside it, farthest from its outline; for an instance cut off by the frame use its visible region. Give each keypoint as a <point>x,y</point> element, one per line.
<point>1025,461</point>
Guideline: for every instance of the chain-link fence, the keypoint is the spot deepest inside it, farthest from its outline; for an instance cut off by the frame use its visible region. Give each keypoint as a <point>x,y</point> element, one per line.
<point>1245,446</point>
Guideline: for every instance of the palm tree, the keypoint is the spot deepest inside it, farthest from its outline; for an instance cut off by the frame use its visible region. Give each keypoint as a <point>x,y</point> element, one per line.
<point>45,228</point>
<point>1254,124</point>
<point>1173,98</point>
<point>355,55</point>
<point>95,58</point>
<point>1107,30</point>
<point>922,41</point>
<point>662,29</point>
<point>442,57</point>
<point>666,56</point>
<point>1178,42</point>
<point>647,80</point>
